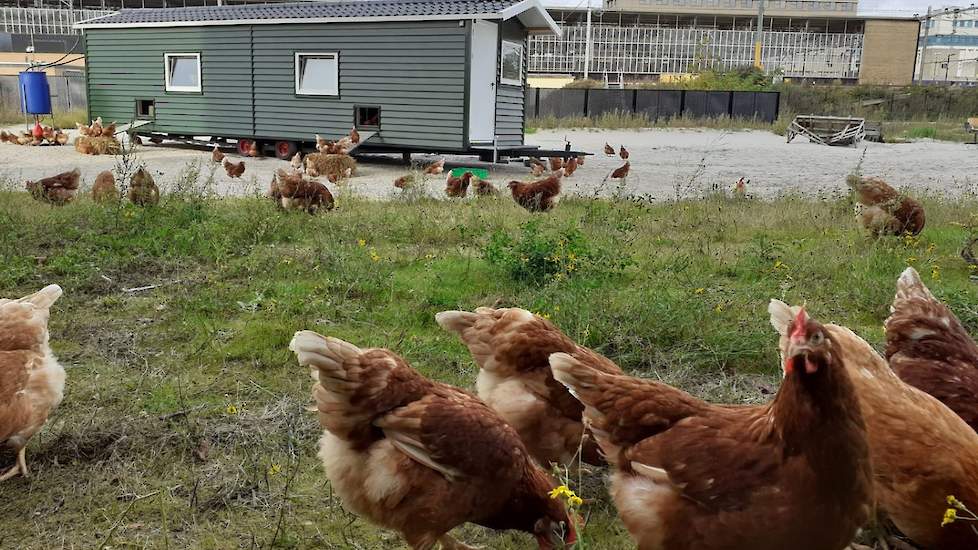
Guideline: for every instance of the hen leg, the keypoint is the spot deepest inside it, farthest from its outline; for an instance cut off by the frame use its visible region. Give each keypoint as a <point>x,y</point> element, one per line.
<point>19,468</point>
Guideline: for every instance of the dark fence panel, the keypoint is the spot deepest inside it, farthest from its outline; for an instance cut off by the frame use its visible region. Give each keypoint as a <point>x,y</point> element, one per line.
<point>671,103</point>
<point>647,103</point>
<point>743,104</point>
<point>530,104</point>
<point>600,102</point>
<point>655,104</point>
<point>767,106</point>
<point>695,104</point>
<point>562,103</point>
<point>718,104</point>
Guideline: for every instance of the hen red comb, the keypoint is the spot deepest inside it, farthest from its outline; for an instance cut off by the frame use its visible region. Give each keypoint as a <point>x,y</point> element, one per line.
<point>800,320</point>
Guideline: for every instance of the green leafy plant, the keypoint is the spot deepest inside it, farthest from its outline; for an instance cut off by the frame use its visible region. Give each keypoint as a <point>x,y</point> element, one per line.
<point>538,254</point>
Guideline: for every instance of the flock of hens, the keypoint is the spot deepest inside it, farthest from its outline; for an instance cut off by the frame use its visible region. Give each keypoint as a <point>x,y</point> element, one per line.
<point>850,437</point>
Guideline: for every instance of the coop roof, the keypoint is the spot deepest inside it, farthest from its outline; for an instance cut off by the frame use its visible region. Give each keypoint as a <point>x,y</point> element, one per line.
<point>530,12</point>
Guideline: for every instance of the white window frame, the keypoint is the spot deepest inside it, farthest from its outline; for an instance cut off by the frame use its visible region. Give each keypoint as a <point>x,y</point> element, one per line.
<point>502,56</point>
<point>298,73</point>
<point>166,73</point>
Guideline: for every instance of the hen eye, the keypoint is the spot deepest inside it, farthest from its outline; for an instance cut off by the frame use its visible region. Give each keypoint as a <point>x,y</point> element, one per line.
<point>818,338</point>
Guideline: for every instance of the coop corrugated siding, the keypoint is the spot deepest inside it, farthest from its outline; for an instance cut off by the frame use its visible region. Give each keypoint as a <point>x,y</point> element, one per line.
<point>509,99</point>
<point>126,64</point>
<point>415,72</point>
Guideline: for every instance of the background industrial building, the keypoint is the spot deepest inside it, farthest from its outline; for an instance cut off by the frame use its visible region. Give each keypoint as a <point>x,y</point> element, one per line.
<point>949,47</point>
<point>822,41</point>
<point>816,40</point>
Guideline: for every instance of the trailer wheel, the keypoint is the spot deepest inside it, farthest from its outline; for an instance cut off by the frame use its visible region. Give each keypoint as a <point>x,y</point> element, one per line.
<point>286,149</point>
<point>244,146</point>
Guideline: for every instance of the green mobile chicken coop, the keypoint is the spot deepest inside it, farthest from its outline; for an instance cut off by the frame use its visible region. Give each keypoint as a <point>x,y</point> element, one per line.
<point>442,76</point>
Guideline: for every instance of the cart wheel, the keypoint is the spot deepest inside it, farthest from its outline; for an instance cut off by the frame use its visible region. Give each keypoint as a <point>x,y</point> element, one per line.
<point>244,146</point>
<point>286,149</point>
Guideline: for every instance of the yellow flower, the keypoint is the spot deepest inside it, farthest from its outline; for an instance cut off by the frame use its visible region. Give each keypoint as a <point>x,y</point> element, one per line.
<point>779,264</point>
<point>955,502</point>
<point>575,501</point>
<point>700,290</point>
<point>274,469</point>
<point>231,409</point>
<point>718,308</point>
<point>373,254</point>
<point>429,256</point>
<point>931,247</point>
<point>362,243</point>
<point>911,260</point>
<point>556,309</point>
<point>558,492</point>
<point>949,516</point>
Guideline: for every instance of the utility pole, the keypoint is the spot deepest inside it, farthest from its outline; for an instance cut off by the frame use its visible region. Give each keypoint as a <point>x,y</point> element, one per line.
<point>923,47</point>
<point>947,67</point>
<point>759,35</point>
<point>587,42</point>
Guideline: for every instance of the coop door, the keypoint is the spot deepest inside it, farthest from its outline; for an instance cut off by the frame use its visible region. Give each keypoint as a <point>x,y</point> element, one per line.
<point>482,82</point>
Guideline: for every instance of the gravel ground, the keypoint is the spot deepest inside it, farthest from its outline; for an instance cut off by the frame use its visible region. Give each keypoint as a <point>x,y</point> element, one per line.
<point>662,161</point>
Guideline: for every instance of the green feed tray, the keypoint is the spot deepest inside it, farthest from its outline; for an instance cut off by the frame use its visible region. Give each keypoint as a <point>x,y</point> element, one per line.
<point>480,173</point>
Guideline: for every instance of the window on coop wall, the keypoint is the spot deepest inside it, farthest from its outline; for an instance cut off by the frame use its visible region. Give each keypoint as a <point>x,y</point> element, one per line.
<point>317,73</point>
<point>182,72</point>
<point>512,64</point>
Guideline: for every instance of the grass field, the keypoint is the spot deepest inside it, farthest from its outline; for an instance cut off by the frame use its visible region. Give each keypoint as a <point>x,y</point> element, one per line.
<point>183,424</point>
<point>64,119</point>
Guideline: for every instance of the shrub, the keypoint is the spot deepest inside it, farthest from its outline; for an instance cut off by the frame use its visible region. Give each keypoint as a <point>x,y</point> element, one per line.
<point>538,255</point>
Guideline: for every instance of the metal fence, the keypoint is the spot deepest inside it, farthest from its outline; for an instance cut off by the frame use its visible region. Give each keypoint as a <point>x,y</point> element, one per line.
<point>655,104</point>
<point>44,20</point>
<point>646,50</point>
<point>67,93</point>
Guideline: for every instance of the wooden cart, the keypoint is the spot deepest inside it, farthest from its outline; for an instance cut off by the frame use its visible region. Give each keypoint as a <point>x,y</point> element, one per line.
<point>828,130</point>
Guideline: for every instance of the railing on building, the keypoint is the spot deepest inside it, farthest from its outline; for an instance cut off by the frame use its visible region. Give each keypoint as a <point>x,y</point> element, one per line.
<point>648,50</point>
<point>44,20</point>
<point>813,7</point>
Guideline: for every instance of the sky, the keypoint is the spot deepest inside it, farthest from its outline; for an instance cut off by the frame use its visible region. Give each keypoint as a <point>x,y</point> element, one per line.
<point>892,8</point>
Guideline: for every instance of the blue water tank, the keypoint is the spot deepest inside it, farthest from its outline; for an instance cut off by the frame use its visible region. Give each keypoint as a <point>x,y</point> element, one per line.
<point>35,94</point>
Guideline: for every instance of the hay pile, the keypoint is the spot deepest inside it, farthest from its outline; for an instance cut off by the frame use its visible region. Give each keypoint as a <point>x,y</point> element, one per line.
<point>101,145</point>
<point>96,139</point>
<point>332,166</point>
<point>49,136</point>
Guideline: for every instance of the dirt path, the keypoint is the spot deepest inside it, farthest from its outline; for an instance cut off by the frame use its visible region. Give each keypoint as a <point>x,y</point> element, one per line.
<point>663,161</point>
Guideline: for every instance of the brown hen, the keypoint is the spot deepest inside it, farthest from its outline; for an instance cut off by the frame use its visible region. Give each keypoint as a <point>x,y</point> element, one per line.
<point>435,168</point>
<point>538,196</point>
<point>622,171</point>
<point>928,348</point>
<point>299,193</point>
<point>31,380</point>
<point>511,347</point>
<point>883,210</point>
<point>217,155</point>
<point>485,188</point>
<point>570,167</point>
<point>60,189</point>
<point>690,475</point>
<point>234,170</point>
<point>921,451</point>
<point>104,190</point>
<point>458,186</point>
<point>143,190</point>
<point>418,456</point>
